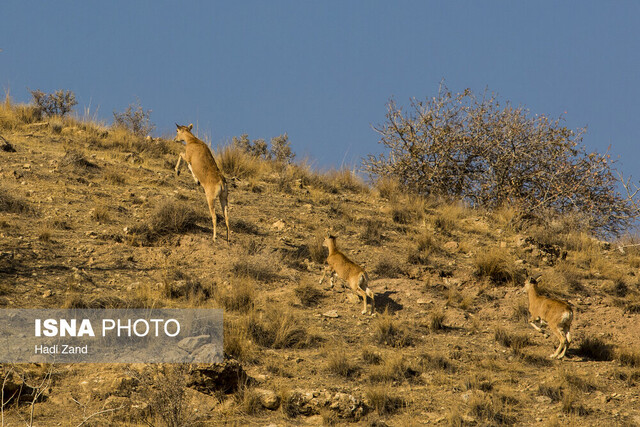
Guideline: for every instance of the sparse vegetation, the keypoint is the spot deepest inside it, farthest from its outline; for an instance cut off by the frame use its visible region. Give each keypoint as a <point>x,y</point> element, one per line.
<point>134,119</point>
<point>58,103</point>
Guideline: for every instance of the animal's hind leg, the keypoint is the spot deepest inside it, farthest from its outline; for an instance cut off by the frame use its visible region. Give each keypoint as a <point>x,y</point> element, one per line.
<point>370,293</point>
<point>212,209</point>
<point>225,208</point>
<point>363,294</point>
<point>563,343</point>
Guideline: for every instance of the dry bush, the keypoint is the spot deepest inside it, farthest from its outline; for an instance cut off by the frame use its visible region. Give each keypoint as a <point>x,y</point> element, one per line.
<point>427,244</point>
<point>629,358</point>
<point>521,312</point>
<point>262,268</point>
<point>393,368</point>
<point>238,341</point>
<point>58,103</point>
<point>239,295</point>
<point>436,321</point>
<point>570,405</point>
<point>595,349</point>
<point>164,392</point>
<point>344,179</point>
<point>309,295</point>
<point>490,409</point>
<point>248,401</point>
<point>45,235</point>
<point>114,178</point>
<point>448,216</point>
<point>477,382</point>
<point>578,383</point>
<point>371,356</point>
<point>236,163</point>
<point>496,265</point>
<point>11,204</point>
<point>389,269</point>
<point>318,252</point>
<point>81,300</point>
<point>388,188</point>
<point>76,161</point>
<point>486,153</point>
<point>437,362</point>
<point>372,232</point>
<point>339,362</point>
<point>382,399</point>
<point>278,327</point>
<point>100,214</point>
<point>515,342</point>
<point>630,377</point>
<point>554,393</point>
<point>389,331</point>
<point>171,217</point>
<point>135,120</point>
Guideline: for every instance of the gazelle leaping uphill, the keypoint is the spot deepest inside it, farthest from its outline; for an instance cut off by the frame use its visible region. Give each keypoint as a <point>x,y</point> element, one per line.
<point>557,314</point>
<point>348,271</point>
<point>205,171</point>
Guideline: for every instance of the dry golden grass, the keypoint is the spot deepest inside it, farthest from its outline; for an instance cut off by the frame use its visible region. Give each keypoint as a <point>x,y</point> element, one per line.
<point>383,400</point>
<point>497,265</point>
<point>391,332</point>
<point>234,162</point>
<point>339,361</point>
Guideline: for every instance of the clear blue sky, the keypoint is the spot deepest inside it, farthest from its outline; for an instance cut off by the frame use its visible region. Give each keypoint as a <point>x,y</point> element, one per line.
<point>323,71</point>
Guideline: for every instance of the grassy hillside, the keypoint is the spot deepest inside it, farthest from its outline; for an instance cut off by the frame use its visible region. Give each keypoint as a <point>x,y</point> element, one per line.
<point>92,216</point>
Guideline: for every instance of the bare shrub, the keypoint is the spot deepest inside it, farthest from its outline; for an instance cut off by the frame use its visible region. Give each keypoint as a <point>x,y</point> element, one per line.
<point>629,358</point>
<point>58,103</point>
<point>281,149</point>
<point>487,153</point>
<point>135,119</point>
<point>372,232</point>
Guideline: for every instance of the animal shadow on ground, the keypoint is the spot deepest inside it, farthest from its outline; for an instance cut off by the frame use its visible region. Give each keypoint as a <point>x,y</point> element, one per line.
<point>385,302</point>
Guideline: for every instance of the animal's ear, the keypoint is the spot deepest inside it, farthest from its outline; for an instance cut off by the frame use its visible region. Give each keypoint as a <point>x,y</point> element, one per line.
<point>190,126</point>
<point>178,126</point>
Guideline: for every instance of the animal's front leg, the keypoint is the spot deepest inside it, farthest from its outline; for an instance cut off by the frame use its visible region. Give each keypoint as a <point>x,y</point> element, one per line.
<point>193,174</point>
<point>178,164</point>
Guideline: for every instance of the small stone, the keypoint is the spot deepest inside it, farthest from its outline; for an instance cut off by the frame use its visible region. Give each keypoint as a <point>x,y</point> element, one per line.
<point>268,398</point>
<point>47,293</point>
<point>278,225</point>
<point>331,313</point>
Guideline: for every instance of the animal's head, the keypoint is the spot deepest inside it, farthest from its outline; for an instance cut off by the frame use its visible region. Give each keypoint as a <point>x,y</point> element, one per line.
<point>329,241</point>
<point>182,131</point>
<point>531,282</point>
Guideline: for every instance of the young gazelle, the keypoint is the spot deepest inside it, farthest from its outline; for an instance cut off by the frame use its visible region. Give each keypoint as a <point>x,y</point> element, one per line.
<point>205,171</point>
<point>348,271</point>
<point>555,313</point>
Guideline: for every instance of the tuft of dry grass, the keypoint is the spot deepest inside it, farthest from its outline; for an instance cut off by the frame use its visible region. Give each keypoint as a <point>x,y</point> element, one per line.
<point>11,204</point>
<point>258,267</point>
<point>389,331</point>
<point>238,296</point>
<point>238,342</point>
<point>629,358</point>
<point>371,356</point>
<point>554,393</point>
<point>497,265</point>
<point>236,163</point>
<point>515,342</point>
<point>344,179</point>
<point>437,362</point>
<point>389,269</point>
<point>317,252</point>
<point>339,362</point>
<point>382,399</point>
<point>278,327</point>
<point>436,321</point>
<point>393,368</point>
<point>372,232</point>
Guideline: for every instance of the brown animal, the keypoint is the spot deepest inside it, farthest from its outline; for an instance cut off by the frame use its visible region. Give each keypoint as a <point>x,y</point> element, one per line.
<point>557,314</point>
<point>205,172</point>
<point>348,271</point>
